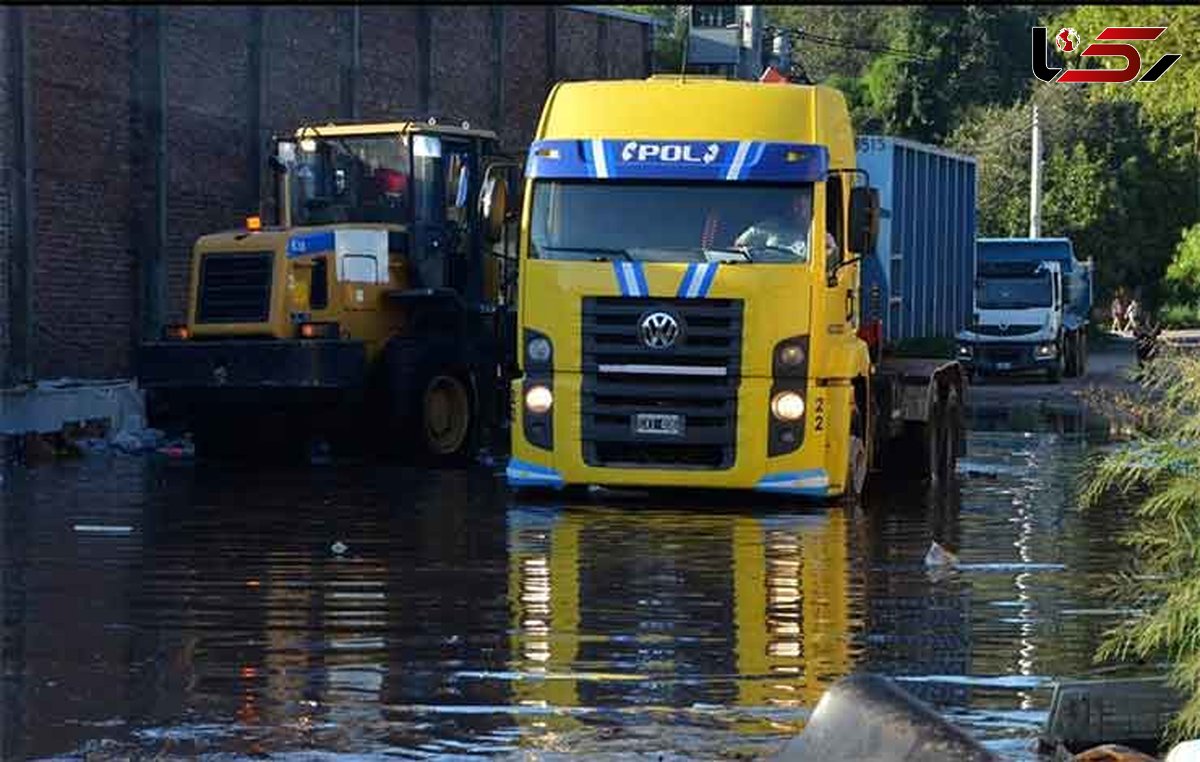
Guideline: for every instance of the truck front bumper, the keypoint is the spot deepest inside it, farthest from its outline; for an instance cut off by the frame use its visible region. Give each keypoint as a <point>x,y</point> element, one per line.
<point>238,367</point>
<point>816,469</point>
<point>1005,357</point>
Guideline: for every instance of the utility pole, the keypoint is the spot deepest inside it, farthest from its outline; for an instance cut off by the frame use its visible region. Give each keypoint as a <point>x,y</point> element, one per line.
<point>1035,179</point>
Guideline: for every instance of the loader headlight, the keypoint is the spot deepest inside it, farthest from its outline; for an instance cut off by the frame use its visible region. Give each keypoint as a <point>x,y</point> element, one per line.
<point>538,399</point>
<point>787,406</point>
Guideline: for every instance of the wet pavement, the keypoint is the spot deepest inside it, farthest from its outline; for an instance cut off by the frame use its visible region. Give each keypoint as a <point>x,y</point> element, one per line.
<point>160,609</point>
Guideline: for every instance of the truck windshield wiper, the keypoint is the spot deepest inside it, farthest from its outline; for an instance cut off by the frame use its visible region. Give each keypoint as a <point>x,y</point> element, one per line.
<point>602,253</point>
<point>743,250</point>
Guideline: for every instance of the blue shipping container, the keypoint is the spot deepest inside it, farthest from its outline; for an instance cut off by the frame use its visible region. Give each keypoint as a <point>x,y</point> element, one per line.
<point>924,261</point>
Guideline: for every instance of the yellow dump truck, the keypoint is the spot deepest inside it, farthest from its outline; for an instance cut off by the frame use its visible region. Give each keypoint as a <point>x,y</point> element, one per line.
<point>689,303</point>
<point>381,288</point>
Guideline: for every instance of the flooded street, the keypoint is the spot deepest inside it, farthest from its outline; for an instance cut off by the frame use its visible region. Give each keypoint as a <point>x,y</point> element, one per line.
<point>162,609</point>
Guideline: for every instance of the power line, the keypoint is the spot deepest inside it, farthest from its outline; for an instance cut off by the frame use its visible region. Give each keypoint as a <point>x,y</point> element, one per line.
<point>884,49</point>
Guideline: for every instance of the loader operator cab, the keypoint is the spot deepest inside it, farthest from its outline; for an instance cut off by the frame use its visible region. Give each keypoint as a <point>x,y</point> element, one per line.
<point>426,180</point>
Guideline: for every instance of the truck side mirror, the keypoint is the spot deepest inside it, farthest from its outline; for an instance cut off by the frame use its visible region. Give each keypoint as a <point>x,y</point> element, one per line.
<point>864,220</point>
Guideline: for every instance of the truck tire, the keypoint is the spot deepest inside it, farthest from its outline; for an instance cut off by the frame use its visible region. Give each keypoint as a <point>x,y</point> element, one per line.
<point>1070,356</point>
<point>1055,371</point>
<point>1082,363</point>
<point>856,462</point>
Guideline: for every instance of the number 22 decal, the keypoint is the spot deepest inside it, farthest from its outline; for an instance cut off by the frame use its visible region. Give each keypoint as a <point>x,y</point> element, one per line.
<point>819,414</point>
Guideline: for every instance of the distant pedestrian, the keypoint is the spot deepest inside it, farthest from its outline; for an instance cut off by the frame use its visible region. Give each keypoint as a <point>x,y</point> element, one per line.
<point>1118,313</point>
<point>1132,313</point>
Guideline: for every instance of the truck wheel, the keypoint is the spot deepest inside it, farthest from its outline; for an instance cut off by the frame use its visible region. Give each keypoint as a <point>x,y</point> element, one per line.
<point>446,415</point>
<point>856,463</point>
<point>1070,356</point>
<point>1081,363</point>
<point>1055,371</point>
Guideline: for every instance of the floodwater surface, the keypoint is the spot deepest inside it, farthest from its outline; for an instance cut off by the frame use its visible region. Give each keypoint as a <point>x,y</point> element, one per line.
<point>157,609</point>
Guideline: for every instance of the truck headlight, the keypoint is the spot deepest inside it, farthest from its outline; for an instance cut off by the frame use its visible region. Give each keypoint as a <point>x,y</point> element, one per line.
<point>1045,350</point>
<point>964,351</point>
<point>538,399</point>
<point>538,349</point>
<point>787,406</point>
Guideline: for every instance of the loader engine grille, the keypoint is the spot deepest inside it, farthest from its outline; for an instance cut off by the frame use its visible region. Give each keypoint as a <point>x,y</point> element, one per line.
<point>235,288</point>
<point>654,406</point>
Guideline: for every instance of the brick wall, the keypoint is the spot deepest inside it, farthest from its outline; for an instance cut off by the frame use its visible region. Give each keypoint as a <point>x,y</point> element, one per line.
<point>208,111</point>
<point>94,182</point>
<point>84,284</point>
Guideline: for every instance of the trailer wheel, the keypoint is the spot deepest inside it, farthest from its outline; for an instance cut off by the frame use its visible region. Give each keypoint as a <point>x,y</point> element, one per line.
<point>954,434</point>
<point>934,442</point>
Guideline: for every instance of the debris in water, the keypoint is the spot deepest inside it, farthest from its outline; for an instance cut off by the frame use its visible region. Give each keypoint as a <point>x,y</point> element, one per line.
<point>1187,751</point>
<point>103,528</point>
<point>180,448</point>
<point>966,467</point>
<point>339,547</point>
<point>938,556</point>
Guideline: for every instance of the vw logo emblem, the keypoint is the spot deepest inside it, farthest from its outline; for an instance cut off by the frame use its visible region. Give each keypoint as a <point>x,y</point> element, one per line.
<point>658,330</point>
<point>1003,327</point>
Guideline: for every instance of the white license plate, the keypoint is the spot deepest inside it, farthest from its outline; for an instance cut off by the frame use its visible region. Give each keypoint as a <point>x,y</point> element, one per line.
<point>1003,366</point>
<point>662,424</point>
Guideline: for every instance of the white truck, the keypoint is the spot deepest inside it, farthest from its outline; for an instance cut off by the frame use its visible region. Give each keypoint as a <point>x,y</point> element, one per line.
<point>1031,309</point>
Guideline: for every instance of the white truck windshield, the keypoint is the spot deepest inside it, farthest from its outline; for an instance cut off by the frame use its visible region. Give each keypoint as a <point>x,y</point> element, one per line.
<point>671,222</point>
<point>1007,293</point>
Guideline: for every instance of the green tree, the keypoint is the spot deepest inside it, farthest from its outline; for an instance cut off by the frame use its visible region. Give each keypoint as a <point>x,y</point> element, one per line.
<point>670,34</point>
<point>957,58</point>
<point>1159,472</point>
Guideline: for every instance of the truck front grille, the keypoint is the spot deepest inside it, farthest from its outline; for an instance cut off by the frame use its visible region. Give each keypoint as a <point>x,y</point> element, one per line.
<point>1011,330</point>
<point>696,378</point>
<point>1002,352</point>
<point>234,288</point>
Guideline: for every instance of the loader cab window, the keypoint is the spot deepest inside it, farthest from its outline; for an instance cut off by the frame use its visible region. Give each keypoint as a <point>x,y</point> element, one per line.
<point>350,179</point>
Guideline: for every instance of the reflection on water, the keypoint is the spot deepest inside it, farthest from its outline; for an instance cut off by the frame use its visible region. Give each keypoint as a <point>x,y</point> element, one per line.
<point>453,619</point>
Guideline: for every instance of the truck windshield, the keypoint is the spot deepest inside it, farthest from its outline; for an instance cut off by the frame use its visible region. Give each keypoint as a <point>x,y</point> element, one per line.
<point>1013,293</point>
<point>349,179</point>
<point>671,222</point>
